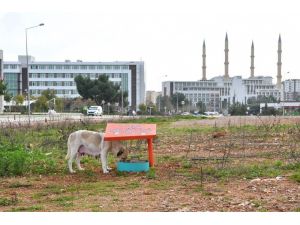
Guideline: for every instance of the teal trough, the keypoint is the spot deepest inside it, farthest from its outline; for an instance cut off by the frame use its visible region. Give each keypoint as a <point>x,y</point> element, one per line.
<point>133,166</point>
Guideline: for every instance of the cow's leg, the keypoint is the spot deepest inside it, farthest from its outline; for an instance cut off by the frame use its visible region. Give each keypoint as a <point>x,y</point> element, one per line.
<point>78,161</point>
<point>103,158</point>
<point>73,154</point>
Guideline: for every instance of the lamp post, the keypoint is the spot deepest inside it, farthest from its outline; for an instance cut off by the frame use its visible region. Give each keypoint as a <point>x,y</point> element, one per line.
<point>177,103</point>
<point>28,90</point>
<point>122,101</point>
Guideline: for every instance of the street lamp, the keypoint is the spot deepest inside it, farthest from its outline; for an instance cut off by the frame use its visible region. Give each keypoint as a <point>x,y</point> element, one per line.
<point>177,102</point>
<point>28,90</point>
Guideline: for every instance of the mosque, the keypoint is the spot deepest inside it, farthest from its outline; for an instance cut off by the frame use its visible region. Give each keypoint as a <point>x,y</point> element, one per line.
<point>221,91</point>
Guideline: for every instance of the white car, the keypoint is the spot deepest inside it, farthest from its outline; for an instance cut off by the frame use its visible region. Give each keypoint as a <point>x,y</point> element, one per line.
<point>185,114</point>
<point>94,111</point>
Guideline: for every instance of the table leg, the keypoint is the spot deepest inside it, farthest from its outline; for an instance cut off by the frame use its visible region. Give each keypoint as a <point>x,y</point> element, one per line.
<point>150,152</point>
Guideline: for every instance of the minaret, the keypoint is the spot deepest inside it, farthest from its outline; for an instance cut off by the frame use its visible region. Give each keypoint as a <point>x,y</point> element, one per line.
<point>252,61</point>
<point>279,51</point>
<point>203,61</point>
<point>226,75</point>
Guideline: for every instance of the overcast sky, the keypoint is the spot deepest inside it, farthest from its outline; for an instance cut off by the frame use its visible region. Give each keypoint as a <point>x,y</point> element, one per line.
<point>167,35</point>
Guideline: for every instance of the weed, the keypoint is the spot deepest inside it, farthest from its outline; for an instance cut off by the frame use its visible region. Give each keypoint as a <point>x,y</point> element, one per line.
<point>161,185</point>
<point>19,185</point>
<point>39,195</point>
<point>133,185</point>
<point>7,202</point>
<point>65,201</point>
<point>28,209</point>
<point>122,174</point>
<point>186,164</point>
<point>151,173</point>
<point>296,176</point>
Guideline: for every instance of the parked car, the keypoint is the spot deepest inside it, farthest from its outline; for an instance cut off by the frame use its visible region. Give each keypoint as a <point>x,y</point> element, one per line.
<point>185,114</point>
<point>94,111</point>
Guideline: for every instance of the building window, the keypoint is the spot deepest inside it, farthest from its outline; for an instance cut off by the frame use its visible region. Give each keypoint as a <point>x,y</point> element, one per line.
<point>108,67</point>
<point>13,66</point>
<point>34,67</point>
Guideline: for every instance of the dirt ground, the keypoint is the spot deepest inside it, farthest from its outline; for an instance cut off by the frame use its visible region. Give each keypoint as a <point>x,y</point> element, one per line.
<point>171,189</point>
<point>239,120</point>
<point>137,193</point>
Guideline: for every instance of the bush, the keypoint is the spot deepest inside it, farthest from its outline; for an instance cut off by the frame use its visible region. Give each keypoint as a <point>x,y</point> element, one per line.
<point>13,162</point>
<point>17,161</point>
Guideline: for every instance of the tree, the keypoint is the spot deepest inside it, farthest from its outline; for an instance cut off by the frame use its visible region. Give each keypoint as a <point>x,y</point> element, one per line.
<point>41,105</point>
<point>49,94</point>
<point>143,108</point>
<point>99,90</point>
<point>177,98</point>
<point>164,102</point>
<point>237,109</point>
<point>268,110</point>
<point>201,106</point>
<point>47,100</point>
<point>19,99</point>
<point>3,88</point>
<point>7,97</point>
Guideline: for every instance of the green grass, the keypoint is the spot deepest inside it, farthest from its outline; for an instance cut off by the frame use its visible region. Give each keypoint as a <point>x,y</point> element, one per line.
<point>248,171</point>
<point>28,209</point>
<point>19,185</point>
<point>296,176</point>
<point>7,202</point>
<point>65,201</point>
<point>151,173</point>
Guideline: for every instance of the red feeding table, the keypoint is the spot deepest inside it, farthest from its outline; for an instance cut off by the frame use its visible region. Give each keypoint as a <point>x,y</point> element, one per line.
<point>131,131</point>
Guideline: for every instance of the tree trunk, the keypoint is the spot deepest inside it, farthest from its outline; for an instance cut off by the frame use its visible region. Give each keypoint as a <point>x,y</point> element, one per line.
<point>1,103</point>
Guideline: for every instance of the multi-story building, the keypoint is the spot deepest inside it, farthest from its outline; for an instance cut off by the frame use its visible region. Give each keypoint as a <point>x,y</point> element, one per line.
<point>151,97</point>
<point>206,92</point>
<point>1,78</point>
<point>291,90</point>
<point>59,76</point>
<point>221,91</point>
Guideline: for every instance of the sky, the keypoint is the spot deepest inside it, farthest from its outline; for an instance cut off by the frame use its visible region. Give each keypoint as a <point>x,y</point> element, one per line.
<point>166,35</point>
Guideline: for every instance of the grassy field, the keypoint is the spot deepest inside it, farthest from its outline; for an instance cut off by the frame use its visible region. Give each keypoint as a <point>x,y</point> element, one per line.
<point>200,165</point>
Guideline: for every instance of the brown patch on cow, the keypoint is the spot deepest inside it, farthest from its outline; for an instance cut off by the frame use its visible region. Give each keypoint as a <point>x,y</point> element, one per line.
<point>92,137</point>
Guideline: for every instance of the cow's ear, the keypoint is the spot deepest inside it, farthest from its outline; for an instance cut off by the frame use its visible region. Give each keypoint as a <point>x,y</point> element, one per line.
<point>120,152</point>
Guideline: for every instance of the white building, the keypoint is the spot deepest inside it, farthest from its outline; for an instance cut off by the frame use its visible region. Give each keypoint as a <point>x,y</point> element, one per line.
<point>218,92</point>
<point>151,97</point>
<point>291,90</point>
<point>59,76</point>
<point>221,91</point>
